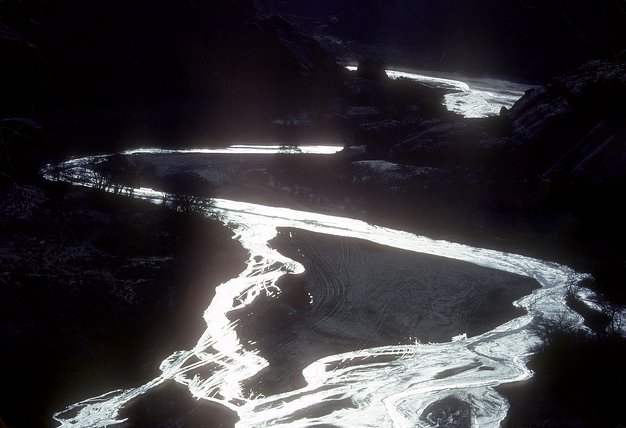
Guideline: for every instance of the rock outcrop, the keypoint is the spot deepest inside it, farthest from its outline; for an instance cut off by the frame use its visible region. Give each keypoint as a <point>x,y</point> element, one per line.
<point>574,128</point>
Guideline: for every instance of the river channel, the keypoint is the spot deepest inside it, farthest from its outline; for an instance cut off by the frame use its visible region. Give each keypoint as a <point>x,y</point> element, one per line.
<point>379,344</point>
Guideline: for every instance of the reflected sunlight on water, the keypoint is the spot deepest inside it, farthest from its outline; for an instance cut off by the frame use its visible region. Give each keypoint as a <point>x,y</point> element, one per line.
<point>245,149</point>
<point>473,99</point>
<point>384,386</point>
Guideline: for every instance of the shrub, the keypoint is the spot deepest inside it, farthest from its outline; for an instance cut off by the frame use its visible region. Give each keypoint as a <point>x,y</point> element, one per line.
<point>559,331</point>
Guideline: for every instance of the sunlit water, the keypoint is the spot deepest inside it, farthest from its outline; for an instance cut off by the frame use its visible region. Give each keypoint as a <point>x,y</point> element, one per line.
<point>244,149</point>
<point>385,386</point>
<point>472,98</point>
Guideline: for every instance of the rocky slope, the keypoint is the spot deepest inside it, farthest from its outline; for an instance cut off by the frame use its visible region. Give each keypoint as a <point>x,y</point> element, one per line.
<point>108,75</point>
<point>573,129</point>
<point>519,39</point>
<point>95,289</point>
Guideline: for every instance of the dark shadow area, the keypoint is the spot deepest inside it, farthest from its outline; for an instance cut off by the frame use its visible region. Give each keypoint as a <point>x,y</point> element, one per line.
<point>96,291</point>
<point>576,384</point>
<point>102,76</point>
<point>171,405</point>
<point>519,39</point>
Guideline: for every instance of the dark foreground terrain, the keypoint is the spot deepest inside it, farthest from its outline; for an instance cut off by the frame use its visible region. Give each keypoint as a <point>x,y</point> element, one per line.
<point>95,291</point>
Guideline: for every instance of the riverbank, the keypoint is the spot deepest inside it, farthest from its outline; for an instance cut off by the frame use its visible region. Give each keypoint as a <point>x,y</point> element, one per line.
<point>96,289</point>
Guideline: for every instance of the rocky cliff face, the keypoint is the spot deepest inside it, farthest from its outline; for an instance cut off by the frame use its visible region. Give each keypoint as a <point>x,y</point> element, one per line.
<point>574,129</point>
